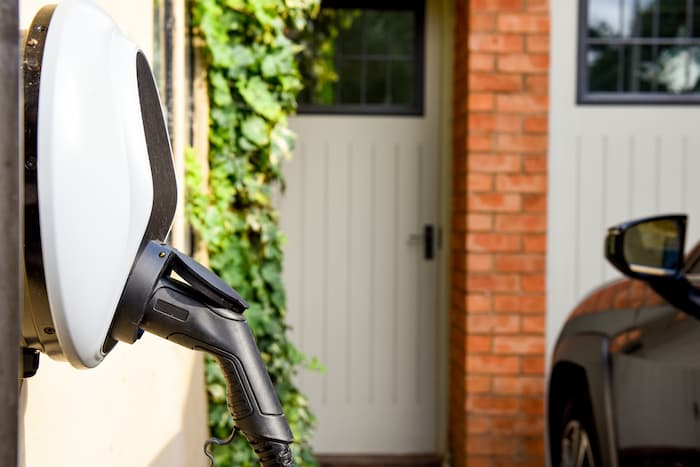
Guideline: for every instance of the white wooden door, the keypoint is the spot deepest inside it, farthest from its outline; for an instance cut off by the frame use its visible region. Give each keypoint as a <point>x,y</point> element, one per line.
<point>607,164</point>
<point>361,296</point>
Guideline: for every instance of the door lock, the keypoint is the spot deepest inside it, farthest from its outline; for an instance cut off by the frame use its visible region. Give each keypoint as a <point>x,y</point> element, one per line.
<point>427,238</point>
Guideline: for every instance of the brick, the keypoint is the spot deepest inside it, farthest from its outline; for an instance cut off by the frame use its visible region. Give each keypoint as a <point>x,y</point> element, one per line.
<point>523,23</point>
<point>534,447</point>
<point>525,223</point>
<point>523,63</point>
<point>479,222</point>
<point>534,283</point>
<point>521,462</point>
<point>489,324</point>
<point>496,82</point>
<point>535,203</point>
<point>535,243</point>
<point>498,43</point>
<point>479,143</point>
<point>533,406</point>
<point>478,303</point>
<point>493,242</point>
<point>517,425</point>
<point>479,22</point>
<point>537,85</point>
<point>492,405</point>
<point>519,345</point>
<point>533,365</point>
<point>536,124</point>
<point>479,182</point>
<point>519,263</point>
<point>492,445</point>
<point>518,385</point>
<point>521,143</point>
<point>478,344</point>
<point>537,43</point>
<point>473,461</point>
<point>503,123</point>
<point>519,303</point>
<point>478,425</point>
<point>533,324</point>
<point>496,5</point>
<point>522,103</point>
<point>495,202</point>
<point>494,163</point>
<point>493,283</point>
<point>479,263</point>
<point>508,183</point>
<point>492,365</point>
<point>482,62</point>
<point>538,6</point>
<point>480,101</point>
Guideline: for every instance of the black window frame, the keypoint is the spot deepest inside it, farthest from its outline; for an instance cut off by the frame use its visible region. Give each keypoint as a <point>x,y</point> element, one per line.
<point>415,109</point>
<point>586,97</point>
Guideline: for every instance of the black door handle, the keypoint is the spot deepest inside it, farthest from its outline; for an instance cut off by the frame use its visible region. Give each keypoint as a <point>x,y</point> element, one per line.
<point>429,241</point>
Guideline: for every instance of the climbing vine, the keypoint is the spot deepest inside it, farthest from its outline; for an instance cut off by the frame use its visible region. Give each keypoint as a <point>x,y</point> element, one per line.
<point>253,83</point>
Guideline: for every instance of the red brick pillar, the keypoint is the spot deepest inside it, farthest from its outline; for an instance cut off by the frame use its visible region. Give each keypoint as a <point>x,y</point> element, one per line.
<point>498,238</point>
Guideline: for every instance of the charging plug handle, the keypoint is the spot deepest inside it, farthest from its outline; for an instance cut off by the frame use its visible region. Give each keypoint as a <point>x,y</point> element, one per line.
<point>206,314</point>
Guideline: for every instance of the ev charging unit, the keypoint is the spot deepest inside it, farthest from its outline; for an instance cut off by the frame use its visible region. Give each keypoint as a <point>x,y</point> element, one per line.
<point>100,195</point>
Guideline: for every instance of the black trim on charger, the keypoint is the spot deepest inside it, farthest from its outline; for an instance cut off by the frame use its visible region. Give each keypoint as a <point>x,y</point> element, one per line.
<point>38,327</point>
<point>160,155</point>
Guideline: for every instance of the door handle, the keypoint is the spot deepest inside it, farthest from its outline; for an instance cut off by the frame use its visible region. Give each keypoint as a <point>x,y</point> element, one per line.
<point>429,241</point>
<point>427,238</point>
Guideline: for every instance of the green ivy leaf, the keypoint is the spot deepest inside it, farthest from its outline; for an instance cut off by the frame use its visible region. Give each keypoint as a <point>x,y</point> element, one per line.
<point>256,93</point>
<point>256,131</point>
<point>253,82</point>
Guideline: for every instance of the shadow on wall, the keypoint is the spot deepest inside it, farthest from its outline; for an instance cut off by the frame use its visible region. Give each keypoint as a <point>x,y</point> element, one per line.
<point>140,402</point>
<point>182,446</point>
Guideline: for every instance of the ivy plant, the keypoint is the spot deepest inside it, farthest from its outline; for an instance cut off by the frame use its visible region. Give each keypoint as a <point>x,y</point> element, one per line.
<point>253,83</point>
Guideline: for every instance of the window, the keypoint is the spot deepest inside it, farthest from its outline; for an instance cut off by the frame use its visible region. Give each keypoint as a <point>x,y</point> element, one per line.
<point>364,57</point>
<point>639,51</point>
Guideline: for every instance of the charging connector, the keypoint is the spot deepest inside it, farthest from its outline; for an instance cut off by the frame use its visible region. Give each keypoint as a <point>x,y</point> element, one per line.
<point>203,313</point>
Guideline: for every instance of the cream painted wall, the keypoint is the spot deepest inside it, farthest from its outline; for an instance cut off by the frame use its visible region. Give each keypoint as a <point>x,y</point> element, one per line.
<point>146,404</point>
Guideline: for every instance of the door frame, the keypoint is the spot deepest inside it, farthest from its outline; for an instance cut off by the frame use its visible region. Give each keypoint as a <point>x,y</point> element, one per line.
<point>447,45</point>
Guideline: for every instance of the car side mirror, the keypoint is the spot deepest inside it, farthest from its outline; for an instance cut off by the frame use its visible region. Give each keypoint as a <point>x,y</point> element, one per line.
<point>650,248</point>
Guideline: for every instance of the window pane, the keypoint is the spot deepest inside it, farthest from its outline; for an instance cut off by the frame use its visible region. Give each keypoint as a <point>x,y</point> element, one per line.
<point>349,29</point>
<point>672,18</point>
<point>629,18</point>
<point>647,18</point>
<point>377,85</point>
<point>657,49</point>
<point>375,33</point>
<point>638,76</point>
<point>402,83</point>
<point>677,69</point>
<point>350,82</point>
<point>364,58</point>
<point>401,28</point>
<point>603,67</point>
<point>604,18</point>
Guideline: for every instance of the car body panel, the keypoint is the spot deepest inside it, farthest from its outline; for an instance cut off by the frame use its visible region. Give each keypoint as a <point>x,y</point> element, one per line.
<point>641,359</point>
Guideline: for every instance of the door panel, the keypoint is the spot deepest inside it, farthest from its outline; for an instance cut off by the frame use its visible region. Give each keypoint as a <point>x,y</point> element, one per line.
<point>361,296</point>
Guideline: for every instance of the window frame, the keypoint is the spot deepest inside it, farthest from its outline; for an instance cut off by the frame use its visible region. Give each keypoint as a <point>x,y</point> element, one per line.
<point>586,97</point>
<point>417,108</point>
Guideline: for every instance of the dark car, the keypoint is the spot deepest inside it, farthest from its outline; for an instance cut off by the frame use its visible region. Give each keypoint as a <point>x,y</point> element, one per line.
<point>624,386</point>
